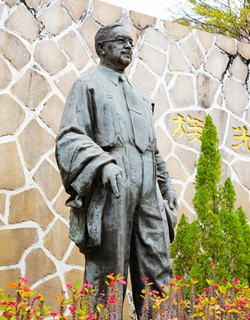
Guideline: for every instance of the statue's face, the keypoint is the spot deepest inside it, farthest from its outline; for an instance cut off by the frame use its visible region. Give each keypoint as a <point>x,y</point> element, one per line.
<point>116,52</point>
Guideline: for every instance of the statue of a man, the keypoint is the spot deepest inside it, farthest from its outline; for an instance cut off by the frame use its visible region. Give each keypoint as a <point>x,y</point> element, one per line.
<point>111,168</point>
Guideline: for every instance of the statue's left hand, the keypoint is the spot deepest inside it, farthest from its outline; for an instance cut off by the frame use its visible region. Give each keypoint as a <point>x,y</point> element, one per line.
<point>170,196</point>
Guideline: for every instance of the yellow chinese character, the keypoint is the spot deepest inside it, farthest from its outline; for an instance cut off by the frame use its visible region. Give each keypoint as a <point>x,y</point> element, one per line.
<point>180,120</point>
<point>244,137</point>
<point>196,128</point>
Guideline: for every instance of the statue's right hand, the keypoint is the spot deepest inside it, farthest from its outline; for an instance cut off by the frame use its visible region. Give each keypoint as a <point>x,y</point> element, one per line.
<point>111,175</point>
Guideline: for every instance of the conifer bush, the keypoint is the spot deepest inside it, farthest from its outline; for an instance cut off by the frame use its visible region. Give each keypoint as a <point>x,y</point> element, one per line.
<point>220,235</point>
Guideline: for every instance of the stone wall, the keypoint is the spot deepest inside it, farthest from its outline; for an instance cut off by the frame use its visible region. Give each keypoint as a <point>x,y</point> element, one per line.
<point>45,45</point>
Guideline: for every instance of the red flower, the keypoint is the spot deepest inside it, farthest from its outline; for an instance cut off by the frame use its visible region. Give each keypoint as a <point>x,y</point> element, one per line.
<point>236,281</point>
<point>69,285</point>
<point>162,287</point>
<point>63,291</point>
<point>72,309</point>
<point>178,277</point>
<point>212,264</point>
<point>38,297</point>
<point>207,289</point>
<point>91,316</point>
<point>227,306</point>
<point>224,281</point>
<point>54,314</point>
<point>82,292</point>
<point>144,279</point>
<point>216,287</point>
<point>112,299</point>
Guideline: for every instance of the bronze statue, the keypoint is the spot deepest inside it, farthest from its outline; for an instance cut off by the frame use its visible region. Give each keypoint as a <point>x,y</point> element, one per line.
<point>118,182</point>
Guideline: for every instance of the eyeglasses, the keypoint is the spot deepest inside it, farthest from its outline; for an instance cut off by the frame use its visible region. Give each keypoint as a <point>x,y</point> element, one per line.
<point>121,41</point>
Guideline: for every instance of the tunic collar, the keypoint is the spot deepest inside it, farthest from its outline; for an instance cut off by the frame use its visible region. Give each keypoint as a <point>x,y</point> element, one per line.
<point>112,75</point>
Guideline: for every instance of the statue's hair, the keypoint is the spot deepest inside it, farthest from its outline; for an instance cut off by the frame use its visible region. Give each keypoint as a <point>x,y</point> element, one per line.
<point>104,33</point>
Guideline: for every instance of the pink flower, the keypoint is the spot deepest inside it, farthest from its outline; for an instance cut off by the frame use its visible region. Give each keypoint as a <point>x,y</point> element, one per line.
<point>227,306</point>
<point>155,292</point>
<point>24,279</point>
<point>178,277</point>
<point>88,285</point>
<point>112,299</point>
<point>91,316</point>
<point>207,289</point>
<point>63,291</point>
<point>144,278</point>
<point>69,285</point>
<point>212,264</point>
<point>12,303</point>
<point>54,314</point>
<point>122,282</point>
<point>236,281</point>
<point>72,309</point>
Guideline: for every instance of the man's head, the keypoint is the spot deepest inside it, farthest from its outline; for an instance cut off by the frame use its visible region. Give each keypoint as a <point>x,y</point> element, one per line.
<point>113,45</point>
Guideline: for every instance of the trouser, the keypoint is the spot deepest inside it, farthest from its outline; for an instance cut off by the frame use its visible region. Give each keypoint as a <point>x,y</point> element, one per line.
<point>134,231</point>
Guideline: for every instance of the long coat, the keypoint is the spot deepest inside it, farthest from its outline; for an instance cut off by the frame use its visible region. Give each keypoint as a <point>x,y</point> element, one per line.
<point>88,129</point>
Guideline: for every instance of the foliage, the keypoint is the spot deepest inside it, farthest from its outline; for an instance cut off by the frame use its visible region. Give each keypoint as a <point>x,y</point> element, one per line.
<point>221,234</point>
<point>227,17</point>
<point>225,300</point>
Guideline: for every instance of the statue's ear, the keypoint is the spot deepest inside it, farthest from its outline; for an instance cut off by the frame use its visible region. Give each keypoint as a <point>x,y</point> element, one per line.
<point>100,46</point>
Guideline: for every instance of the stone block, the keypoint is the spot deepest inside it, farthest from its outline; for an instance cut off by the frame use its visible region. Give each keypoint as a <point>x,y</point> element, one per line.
<point>88,30</point>
<point>76,8</point>
<point>155,60</point>
<point>244,50</point>
<point>186,127</point>
<point>65,82</point>
<point>187,158</point>
<point>206,89</point>
<point>35,141</point>
<point>193,52</point>
<point>29,205</point>
<point>38,265</point>
<point>5,74</point>
<point>217,63</point>
<point>189,195</point>
<point>239,69</point>
<point>50,57</point>
<point>32,3</point>
<point>52,112</point>
<point>145,78</point>
<point>60,206</point>
<point>48,289</point>
<point>8,276</point>
<point>48,178</point>
<point>11,170</point>
<point>177,61</point>
<point>176,31</point>
<point>142,21</point>
<point>242,198</point>
<point>242,169</point>
<point>164,144</point>
<point>183,84</point>
<point>75,49</point>
<point>9,46</point>
<point>31,89</point>
<point>226,44</point>
<point>55,19</point>
<point>21,239</point>
<point>74,275</point>
<point>27,26</point>
<point>220,119</point>
<point>205,38</point>
<point>76,258</point>
<point>161,102</point>
<point>183,209</point>
<point>105,13</point>
<point>235,96</point>
<point>12,115</point>
<point>11,3</point>
<point>2,204</point>
<point>156,38</point>
<point>57,240</point>
<point>176,171</point>
<point>237,137</point>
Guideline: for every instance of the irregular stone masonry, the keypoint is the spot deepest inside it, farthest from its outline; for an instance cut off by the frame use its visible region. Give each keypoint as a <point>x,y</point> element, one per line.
<point>45,45</point>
